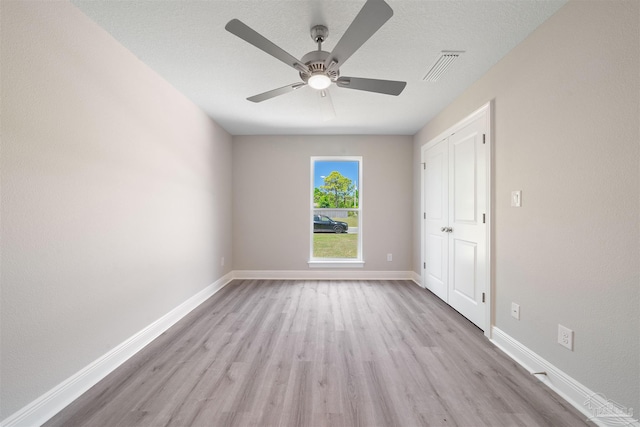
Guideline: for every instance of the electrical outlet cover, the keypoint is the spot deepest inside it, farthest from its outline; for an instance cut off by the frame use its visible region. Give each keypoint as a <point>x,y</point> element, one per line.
<point>565,337</point>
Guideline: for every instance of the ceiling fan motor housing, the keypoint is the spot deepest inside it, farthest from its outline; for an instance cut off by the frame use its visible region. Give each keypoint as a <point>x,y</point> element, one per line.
<point>315,61</point>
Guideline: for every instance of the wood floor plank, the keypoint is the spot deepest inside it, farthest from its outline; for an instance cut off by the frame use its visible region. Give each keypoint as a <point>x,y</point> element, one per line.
<point>263,353</point>
<point>272,393</point>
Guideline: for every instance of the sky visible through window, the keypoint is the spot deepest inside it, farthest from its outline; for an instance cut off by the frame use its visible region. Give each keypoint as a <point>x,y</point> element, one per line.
<point>323,168</point>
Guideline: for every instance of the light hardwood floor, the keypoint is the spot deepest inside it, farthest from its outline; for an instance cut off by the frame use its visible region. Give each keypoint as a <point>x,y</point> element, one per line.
<point>320,353</point>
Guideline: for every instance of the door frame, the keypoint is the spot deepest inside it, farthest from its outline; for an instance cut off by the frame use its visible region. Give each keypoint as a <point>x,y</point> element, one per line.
<point>487,110</point>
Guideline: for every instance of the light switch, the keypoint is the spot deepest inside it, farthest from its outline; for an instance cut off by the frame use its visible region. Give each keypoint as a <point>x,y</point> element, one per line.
<point>516,199</point>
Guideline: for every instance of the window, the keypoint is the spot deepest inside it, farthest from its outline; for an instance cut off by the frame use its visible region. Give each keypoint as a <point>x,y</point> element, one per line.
<point>336,212</point>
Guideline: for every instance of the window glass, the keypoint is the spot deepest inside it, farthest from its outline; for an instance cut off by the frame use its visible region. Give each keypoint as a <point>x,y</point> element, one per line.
<point>336,208</point>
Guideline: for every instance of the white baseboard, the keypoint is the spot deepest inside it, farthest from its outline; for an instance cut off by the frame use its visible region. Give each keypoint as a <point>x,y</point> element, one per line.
<point>595,406</point>
<point>416,278</point>
<point>321,274</point>
<point>46,406</point>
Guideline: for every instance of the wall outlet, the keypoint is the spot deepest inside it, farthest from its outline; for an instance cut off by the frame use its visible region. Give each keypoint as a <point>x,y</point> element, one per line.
<point>565,337</point>
<point>222,262</point>
<point>515,311</point>
<point>389,257</point>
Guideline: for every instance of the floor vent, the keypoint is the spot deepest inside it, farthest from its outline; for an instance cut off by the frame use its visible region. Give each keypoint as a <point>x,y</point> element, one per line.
<point>442,64</point>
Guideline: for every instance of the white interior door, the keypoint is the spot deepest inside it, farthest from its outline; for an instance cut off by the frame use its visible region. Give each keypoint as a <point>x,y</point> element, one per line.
<point>455,184</point>
<point>436,215</point>
<point>467,229</point>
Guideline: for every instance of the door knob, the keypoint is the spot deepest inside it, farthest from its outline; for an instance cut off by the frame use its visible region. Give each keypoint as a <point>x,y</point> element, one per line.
<point>449,230</point>
<point>443,229</point>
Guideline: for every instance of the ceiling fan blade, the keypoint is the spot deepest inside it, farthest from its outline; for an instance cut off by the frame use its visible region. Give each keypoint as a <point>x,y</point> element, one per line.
<point>326,105</point>
<point>251,36</point>
<point>275,92</point>
<point>371,17</point>
<point>389,87</point>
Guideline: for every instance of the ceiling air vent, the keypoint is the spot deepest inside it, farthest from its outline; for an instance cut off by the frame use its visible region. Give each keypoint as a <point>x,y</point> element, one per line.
<point>442,64</point>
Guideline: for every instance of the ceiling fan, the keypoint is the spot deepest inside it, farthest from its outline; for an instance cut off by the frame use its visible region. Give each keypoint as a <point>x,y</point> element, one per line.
<point>319,69</point>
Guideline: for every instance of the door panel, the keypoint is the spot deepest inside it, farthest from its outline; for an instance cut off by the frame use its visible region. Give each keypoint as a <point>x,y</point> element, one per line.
<point>464,184</point>
<point>435,261</point>
<point>463,279</point>
<point>468,236</point>
<point>436,177</point>
<point>436,204</point>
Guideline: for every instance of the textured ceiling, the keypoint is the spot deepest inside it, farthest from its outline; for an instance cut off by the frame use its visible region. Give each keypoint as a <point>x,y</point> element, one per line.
<point>186,43</point>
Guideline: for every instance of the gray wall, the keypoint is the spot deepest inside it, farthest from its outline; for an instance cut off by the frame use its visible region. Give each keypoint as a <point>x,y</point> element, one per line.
<point>271,199</point>
<point>566,134</point>
<point>116,197</point>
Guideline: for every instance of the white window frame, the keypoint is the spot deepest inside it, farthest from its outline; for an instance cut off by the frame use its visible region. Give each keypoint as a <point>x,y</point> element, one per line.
<point>336,262</point>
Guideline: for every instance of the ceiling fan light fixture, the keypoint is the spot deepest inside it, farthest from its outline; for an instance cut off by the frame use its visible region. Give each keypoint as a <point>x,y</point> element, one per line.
<point>319,81</point>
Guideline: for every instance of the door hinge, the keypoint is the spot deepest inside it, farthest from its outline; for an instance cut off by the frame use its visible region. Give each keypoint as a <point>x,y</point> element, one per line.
<point>483,297</point>
<point>424,166</point>
<point>484,219</point>
<point>425,215</point>
<point>484,138</point>
<point>424,265</point>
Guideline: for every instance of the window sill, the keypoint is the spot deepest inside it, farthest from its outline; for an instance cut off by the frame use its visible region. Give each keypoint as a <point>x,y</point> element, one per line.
<point>336,264</point>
